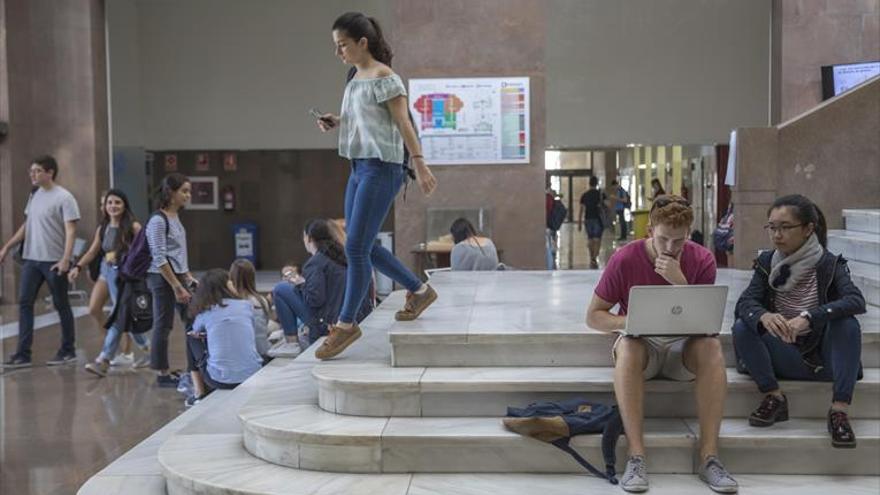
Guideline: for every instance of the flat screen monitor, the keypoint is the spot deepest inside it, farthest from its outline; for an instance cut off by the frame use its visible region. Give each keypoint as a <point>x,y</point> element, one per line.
<point>837,79</point>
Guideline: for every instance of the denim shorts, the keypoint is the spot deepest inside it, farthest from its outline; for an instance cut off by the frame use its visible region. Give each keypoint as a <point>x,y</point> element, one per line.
<point>594,228</point>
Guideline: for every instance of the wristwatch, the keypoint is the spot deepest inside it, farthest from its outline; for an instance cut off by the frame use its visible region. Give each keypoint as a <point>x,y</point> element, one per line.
<point>805,314</point>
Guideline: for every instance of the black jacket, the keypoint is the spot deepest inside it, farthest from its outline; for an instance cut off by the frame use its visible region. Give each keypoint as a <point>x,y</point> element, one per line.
<point>324,289</point>
<point>838,298</point>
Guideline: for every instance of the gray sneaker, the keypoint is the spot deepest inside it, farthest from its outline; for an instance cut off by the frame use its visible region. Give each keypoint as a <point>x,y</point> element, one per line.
<point>635,477</point>
<point>713,473</point>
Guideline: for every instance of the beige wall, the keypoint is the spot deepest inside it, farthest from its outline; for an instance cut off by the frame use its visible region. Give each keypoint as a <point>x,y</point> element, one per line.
<point>53,93</point>
<point>831,155</point>
<point>811,33</point>
<point>508,40</point>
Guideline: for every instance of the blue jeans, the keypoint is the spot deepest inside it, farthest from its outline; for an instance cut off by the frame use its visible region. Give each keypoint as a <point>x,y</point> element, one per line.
<point>372,187</point>
<point>33,274</point>
<point>111,341</point>
<point>767,358</point>
<point>293,311</point>
<point>621,219</point>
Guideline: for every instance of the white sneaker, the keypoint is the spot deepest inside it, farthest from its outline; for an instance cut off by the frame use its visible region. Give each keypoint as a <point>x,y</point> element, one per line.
<point>285,349</point>
<point>123,360</point>
<point>143,360</point>
<point>276,336</point>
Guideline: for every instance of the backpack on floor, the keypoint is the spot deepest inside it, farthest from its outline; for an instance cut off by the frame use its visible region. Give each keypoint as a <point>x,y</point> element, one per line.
<point>580,416</point>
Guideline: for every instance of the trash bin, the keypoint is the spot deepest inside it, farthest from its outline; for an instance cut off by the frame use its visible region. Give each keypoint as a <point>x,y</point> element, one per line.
<point>640,223</point>
<point>245,239</point>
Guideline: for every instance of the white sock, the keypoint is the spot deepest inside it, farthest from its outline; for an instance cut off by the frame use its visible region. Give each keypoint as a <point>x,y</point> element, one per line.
<point>422,289</point>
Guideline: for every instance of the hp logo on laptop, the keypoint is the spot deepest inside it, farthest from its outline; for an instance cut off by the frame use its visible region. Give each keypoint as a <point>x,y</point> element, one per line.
<point>676,310</point>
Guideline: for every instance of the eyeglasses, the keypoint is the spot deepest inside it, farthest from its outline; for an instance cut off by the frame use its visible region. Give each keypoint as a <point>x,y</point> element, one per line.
<point>780,229</point>
<point>664,201</point>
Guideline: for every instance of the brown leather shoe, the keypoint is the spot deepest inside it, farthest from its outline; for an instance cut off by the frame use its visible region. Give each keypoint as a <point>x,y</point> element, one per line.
<point>416,304</point>
<point>337,341</point>
<point>545,429</point>
<point>842,435</point>
<point>772,410</point>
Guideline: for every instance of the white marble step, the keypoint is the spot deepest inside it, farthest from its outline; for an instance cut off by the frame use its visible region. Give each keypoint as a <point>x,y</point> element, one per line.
<point>306,437</point>
<point>378,390</point>
<point>219,465</point>
<point>867,278</point>
<point>862,220</point>
<point>856,246</point>
<point>530,343</point>
<point>796,447</point>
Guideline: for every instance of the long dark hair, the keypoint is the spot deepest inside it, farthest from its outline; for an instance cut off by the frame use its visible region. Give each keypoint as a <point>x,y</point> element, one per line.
<point>211,291</point>
<point>357,25</point>
<point>244,279</point>
<point>318,230</point>
<point>171,183</point>
<point>806,212</point>
<point>126,222</point>
<point>462,229</point>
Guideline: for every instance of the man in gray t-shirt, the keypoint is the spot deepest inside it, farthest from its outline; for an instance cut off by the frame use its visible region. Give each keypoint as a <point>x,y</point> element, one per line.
<point>47,236</point>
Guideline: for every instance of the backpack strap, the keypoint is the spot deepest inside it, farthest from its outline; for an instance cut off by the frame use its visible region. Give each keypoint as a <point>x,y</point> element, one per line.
<point>609,475</point>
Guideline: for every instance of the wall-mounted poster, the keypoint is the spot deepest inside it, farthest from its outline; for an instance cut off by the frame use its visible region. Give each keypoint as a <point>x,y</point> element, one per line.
<point>203,162</point>
<point>171,163</point>
<point>468,121</point>
<point>204,193</point>
<point>230,162</point>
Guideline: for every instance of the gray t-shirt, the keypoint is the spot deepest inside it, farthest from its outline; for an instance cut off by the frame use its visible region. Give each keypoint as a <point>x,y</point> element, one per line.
<point>468,257</point>
<point>110,233</point>
<point>46,213</point>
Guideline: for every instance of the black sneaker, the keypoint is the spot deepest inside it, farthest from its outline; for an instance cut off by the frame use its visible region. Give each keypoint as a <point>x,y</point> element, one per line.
<point>16,361</point>
<point>62,358</point>
<point>773,409</point>
<point>166,381</point>
<point>192,400</point>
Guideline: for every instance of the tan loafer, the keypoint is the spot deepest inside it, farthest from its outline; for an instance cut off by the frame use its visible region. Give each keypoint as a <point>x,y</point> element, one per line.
<point>416,304</point>
<point>337,341</point>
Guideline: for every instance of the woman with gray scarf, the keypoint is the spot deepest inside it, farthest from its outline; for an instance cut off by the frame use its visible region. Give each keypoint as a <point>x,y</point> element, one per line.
<point>796,320</point>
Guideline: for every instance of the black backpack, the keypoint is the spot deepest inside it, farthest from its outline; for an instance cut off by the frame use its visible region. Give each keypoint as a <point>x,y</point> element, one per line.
<point>580,416</point>
<point>557,216</point>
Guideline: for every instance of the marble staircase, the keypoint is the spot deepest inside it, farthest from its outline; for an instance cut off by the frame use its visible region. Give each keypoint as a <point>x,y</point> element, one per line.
<point>860,244</point>
<point>365,423</point>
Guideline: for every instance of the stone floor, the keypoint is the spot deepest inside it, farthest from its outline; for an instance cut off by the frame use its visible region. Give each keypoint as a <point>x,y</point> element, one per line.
<point>60,425</point>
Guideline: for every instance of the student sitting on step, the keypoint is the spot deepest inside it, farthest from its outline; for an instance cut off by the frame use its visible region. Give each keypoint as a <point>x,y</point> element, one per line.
<point>472,252</point>
<point>221,344</point>
<point>243,277</point>
<point>796,320</point>
<point>665,257</point>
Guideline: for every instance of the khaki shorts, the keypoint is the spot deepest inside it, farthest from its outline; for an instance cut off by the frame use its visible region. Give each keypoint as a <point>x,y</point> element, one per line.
<point>665,358</point>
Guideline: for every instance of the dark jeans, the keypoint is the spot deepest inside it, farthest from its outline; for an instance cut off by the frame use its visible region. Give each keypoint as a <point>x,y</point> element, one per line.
<point>33,274</point>
<point>767,358</point>
<point>164,305</point>
<point>372,187</point>
<point>197,360</point>
<point>621,219</point>
<point>290,306</point>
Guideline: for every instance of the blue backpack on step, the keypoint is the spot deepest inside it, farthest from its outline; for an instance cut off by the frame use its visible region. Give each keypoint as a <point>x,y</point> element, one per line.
<point>580,416</point>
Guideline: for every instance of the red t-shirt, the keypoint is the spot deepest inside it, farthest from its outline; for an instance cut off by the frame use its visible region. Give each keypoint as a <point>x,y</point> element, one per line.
<point>631,266</point>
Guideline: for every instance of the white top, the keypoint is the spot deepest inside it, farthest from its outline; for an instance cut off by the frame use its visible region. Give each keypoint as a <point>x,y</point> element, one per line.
<point>46,212</point>
<point>366,129</point>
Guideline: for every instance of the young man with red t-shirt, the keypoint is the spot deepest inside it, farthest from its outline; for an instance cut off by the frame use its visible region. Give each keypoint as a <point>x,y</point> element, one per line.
<point>666,257</point>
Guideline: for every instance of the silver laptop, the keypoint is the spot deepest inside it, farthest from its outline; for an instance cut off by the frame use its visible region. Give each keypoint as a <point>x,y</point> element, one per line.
<point>675,310</point>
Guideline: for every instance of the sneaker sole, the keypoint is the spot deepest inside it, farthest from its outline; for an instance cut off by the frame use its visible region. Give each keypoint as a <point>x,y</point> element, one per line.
<point>637,489</point>
<point>60,363</point>
<point>16,366</point>
<point>843,445</point>
<point>347,342</point>
<point>95,372</point>
<point>763,423</point>
<point>401,316</point>
<point>723,489</point>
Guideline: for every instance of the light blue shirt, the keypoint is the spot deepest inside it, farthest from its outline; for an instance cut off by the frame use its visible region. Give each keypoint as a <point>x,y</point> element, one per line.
<point>232,349</point>
<point>366,129</point>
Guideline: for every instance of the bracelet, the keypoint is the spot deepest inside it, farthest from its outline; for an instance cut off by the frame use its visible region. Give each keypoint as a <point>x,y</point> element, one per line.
<point>417,156</point>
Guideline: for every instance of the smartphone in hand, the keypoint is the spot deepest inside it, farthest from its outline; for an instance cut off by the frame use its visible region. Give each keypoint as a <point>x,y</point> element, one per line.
<point>320,116</point>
